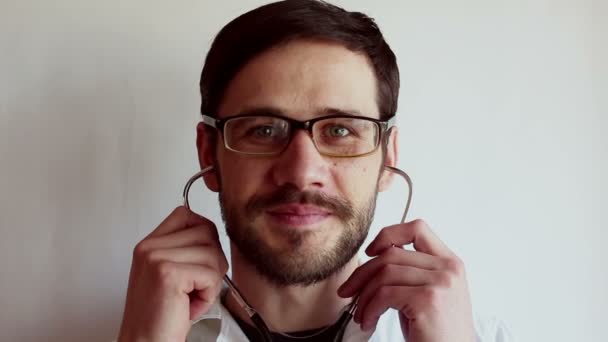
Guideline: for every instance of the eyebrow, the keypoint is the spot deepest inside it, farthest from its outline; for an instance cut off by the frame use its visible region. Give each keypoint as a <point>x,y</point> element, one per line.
<point>326,111</point>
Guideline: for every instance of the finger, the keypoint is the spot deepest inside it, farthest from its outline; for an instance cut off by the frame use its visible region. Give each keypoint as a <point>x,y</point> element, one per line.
<point>194,236</point>
<point>188,277</point>
<point>395,256</point>
<point>416,232</point>
<point>181,217</point>
<point>392,275</point>
<point>396,297</point>
<point>198,300</point>
<point>195,255</point>
<point>206,281</point>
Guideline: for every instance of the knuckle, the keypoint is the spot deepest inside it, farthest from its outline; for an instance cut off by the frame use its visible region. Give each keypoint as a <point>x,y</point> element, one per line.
<point>445,279</point>
<point>430,295</point>
<point>419,225</point>
<point>454,265</point>
<point>207,230</point>
<point>165,272</point>
<point>185,214</point>
<point>140,250</point>
<point>179,215</point>
<point>179,210</point>
<point>385,292</point>
<point>385,272</point>
<point>151,257</point>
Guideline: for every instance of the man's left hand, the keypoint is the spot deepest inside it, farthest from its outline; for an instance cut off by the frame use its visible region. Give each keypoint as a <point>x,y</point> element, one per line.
<point>427,286</point>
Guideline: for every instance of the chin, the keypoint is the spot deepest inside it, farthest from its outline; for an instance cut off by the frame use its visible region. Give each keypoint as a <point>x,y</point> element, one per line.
<point>298,241</point>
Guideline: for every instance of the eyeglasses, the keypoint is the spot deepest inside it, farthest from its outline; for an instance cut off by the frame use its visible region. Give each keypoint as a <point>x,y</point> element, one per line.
<point>334,135</point>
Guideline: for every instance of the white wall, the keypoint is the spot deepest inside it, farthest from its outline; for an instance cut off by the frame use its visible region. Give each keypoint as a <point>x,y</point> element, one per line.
<point>503,112</point>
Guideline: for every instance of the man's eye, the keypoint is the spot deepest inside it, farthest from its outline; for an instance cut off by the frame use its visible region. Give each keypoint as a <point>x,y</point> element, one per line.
<point>338,131</point>
<point>263,131</point>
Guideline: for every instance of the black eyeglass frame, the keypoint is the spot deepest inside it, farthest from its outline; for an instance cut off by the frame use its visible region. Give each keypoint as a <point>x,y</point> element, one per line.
<point>219,124</point>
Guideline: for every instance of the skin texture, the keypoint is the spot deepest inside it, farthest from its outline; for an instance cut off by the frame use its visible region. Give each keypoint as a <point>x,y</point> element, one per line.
<point>176,271</point>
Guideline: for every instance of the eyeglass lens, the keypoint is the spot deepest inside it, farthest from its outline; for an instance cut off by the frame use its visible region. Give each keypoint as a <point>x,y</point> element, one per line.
<point>334,136</point>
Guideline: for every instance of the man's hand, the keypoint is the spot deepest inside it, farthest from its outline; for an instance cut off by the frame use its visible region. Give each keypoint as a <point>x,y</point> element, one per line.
<point>176,275</point>
<point>427,286</point>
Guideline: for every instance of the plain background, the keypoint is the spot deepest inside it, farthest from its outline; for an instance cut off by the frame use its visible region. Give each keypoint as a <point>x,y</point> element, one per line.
<point>503,113</point>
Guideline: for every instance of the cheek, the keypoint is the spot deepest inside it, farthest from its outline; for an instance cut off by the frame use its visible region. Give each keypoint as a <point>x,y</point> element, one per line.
<point>355,180</point>
<point>241,178</point>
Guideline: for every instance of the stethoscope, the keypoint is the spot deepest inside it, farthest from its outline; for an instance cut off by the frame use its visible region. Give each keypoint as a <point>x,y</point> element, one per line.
<point>255,317</point>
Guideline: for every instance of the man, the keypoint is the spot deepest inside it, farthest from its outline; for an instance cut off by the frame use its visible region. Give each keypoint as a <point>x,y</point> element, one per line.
<point>298,199</point>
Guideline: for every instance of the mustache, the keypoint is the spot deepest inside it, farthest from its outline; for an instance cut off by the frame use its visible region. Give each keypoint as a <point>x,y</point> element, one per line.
<point>289,194</point>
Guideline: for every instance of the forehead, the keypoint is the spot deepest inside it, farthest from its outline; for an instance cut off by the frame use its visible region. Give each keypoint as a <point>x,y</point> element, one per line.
<point>301,79</point>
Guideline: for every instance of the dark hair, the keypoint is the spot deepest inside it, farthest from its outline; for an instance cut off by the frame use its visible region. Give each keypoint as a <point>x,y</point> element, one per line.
<point>281,22</point>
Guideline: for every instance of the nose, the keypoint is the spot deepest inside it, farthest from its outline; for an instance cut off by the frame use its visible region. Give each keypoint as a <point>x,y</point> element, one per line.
<point>301,165</point>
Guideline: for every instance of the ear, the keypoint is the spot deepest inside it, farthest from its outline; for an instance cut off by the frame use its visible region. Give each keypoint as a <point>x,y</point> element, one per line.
<point>205,150</point>
<point>392,154</point>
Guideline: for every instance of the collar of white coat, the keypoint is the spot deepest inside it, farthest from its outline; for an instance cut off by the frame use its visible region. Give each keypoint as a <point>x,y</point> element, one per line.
<point>219,312</point>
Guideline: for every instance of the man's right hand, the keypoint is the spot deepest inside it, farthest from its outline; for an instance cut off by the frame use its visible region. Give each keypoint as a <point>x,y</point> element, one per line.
<point>176,276</point>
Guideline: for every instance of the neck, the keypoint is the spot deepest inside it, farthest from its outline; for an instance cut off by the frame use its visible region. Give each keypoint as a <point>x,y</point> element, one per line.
<point>289,308</point>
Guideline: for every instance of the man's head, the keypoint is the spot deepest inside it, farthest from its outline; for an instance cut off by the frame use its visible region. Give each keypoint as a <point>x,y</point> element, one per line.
<point>298,216</point>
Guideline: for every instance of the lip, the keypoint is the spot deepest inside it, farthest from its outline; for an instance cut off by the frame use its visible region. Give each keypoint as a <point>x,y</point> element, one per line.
<point>298,214</point>
<point>298,209</point>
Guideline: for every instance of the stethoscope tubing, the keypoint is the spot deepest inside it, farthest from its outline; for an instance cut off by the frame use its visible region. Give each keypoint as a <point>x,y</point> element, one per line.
<point>254,315</point>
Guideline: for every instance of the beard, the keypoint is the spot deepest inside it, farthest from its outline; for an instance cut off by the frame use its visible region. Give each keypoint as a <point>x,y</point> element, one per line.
<point>294,264</point>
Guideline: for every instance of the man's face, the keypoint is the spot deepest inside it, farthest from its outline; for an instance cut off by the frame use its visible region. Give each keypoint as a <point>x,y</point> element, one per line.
<point>299,217</point>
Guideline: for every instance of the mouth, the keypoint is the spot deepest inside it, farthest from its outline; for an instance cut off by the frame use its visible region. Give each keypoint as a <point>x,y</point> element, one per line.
<point>298,214</point>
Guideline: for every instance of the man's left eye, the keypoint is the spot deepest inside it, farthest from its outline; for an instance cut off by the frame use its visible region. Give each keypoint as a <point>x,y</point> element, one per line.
<point>265,131</point>
<point>338,131</point>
